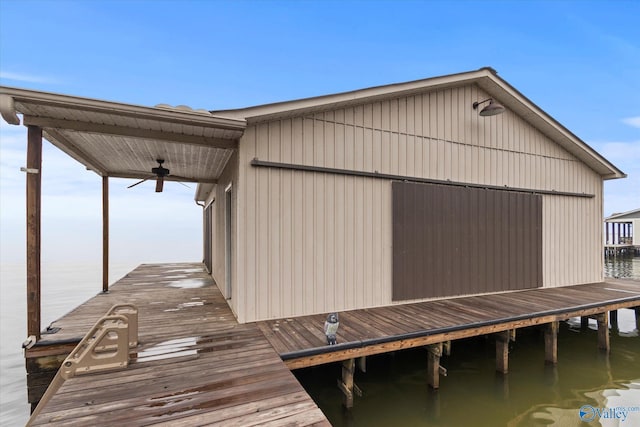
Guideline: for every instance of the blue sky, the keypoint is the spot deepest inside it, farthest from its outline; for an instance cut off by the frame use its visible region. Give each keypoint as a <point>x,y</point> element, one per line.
<point>577,60</point>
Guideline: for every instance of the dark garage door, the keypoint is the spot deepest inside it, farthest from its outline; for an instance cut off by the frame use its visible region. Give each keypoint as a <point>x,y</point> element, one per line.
<point>451,240</point>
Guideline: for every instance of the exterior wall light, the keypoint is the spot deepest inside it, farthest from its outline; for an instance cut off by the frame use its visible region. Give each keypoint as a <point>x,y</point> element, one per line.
<point>490,110</point>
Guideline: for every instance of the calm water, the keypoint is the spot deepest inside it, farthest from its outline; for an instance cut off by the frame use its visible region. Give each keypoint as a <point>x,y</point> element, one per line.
<point>63,288</point>
<point>394,387</point>
<point>395,392</point>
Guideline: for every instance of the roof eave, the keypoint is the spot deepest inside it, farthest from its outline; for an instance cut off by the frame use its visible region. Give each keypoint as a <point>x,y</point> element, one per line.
<point>486,77</point>
<point>9,96</point>
<point>622,215</point>
<point>541,118</point>
<point>301,106</point>
<point>203,191</point>
<point>61,116</point>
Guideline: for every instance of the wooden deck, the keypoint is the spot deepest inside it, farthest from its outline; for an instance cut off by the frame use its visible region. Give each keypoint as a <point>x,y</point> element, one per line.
<point>301,341</point>
<point>195,365</point>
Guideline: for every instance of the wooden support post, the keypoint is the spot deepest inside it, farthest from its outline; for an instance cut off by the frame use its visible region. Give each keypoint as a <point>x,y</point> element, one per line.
<point>603,331</point>
<point>502,351</point>
<point>362,364</point>
<point>446,348</point>
<point>551,343</point>
<point>346,385</point>
<point>433,365</point>
<point>105,234</point>
<point>637,311</point>
<point>34,185</point>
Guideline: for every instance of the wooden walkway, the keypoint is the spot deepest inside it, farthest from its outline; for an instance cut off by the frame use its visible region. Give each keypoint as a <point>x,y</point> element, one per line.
<point>301,341</point>
<point>195,365</point>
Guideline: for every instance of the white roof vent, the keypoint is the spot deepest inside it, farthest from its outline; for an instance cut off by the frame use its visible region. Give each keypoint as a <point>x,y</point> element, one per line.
<point>183,108</point>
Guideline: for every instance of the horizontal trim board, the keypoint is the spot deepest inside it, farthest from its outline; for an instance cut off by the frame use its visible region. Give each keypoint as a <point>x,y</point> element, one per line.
<point>290,166</point>
<point>127,131</point>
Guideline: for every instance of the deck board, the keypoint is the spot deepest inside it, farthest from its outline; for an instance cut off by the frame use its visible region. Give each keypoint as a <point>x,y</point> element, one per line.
<point>195,365</point>
<point>382,329</point>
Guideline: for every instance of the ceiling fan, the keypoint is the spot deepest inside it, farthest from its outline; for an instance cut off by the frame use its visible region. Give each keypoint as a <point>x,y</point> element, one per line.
<point>160,173</point>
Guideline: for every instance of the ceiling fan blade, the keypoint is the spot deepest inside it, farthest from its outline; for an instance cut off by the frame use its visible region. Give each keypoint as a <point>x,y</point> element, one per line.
<point>182,178</point>
<point>138,183</point>
<point>159,184</point>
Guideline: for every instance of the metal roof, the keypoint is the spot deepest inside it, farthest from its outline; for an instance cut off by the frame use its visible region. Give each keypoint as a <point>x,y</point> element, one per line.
<point>124,140</point>
<point>623,216</point>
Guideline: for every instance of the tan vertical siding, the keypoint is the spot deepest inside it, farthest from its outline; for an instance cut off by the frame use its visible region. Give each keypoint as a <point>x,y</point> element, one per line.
<point>218,251</point>
<point>313,242</point>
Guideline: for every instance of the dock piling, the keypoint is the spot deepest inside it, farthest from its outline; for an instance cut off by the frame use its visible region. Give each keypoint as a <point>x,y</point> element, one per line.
<point>603,331</point>
<point>362,364</point>
<point>446,348</point>
<point>346,385</point>
<point>551,343</point>
<point>502,351</point>
<point>434,352</point>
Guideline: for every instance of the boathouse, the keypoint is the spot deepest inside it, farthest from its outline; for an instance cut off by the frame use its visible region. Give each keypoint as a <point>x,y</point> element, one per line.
<point>443,187</point>
<point>621,232</point>
<point>417,192</point>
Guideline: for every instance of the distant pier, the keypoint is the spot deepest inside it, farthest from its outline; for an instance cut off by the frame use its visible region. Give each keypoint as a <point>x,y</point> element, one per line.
<point>619,234</point>
<point>621,250</point>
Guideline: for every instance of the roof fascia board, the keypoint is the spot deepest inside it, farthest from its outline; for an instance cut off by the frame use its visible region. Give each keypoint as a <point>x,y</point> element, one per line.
<point>203,192</point>
<point>193,118</point>
<point>357,96</point>
<point>557,126</point>
<point>622,215</point>
<point>486,78</point>
<point>118,130</point>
